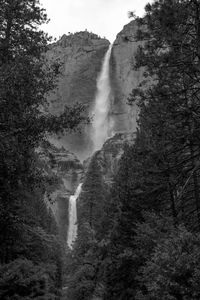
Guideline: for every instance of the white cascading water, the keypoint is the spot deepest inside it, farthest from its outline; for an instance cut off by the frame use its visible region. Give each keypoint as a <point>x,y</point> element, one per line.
<point>72,229</point>
<point>100,132</point>
<point>100,124</point>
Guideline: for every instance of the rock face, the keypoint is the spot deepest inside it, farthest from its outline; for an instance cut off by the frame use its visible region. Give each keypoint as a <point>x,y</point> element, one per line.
<point>124,78</point>
<point>80,56</point>
<point>64,171</point>
<point>109,156</point>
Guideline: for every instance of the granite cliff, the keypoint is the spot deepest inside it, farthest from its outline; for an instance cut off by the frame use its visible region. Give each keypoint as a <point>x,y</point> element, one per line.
<point>124,78</point>
<point>80,56</point>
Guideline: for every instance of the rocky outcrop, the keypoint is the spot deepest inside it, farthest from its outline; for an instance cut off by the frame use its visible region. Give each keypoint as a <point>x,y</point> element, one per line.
<point>124,78</point>
<point>80,56</point>
<point>108,157</point>
<point>110,154</point>
<point>63,172</point>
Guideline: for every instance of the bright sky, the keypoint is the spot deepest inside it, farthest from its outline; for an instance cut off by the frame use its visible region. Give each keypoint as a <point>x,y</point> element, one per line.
<point>103,17</point>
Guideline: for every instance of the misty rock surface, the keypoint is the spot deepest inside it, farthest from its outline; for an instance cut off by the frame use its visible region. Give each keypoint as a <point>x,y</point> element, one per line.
<point>80,56</point>
<point>66,172</point>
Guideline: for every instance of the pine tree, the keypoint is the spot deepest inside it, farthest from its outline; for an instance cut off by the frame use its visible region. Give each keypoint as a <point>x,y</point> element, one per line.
<point>26,78</point>
<point>171,270</point>
<point>170,56</point>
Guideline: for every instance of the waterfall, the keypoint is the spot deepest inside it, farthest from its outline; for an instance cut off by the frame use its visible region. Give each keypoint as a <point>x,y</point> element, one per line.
<point>100,132</point>
<point>101,123</point>
<point>72,229</point>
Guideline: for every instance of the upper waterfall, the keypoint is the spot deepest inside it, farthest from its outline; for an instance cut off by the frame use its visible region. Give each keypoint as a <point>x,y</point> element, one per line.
<point>101,123</point>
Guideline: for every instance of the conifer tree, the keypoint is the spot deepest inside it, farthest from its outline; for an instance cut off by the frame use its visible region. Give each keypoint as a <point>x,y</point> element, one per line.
<point>169,104</point>
<point>26,78</point>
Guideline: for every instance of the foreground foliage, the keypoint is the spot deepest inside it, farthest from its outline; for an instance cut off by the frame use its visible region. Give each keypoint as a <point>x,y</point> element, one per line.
<point>30,253</point>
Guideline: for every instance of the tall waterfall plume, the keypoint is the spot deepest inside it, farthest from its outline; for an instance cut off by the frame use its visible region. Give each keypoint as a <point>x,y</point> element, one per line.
<point>72,229</point>
<point>101,123</point>
<point>100,132</point>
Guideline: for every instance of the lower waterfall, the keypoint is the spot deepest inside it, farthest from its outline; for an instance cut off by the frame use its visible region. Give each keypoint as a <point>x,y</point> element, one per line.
<point>72,229</point>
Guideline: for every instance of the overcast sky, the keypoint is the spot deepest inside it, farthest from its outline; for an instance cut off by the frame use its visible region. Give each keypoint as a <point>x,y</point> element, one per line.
<point>103,17</point>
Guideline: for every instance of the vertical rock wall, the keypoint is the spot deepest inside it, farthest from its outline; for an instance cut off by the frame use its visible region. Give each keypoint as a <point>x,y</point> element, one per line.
<point>124,78</point>
<point>80,56</point>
